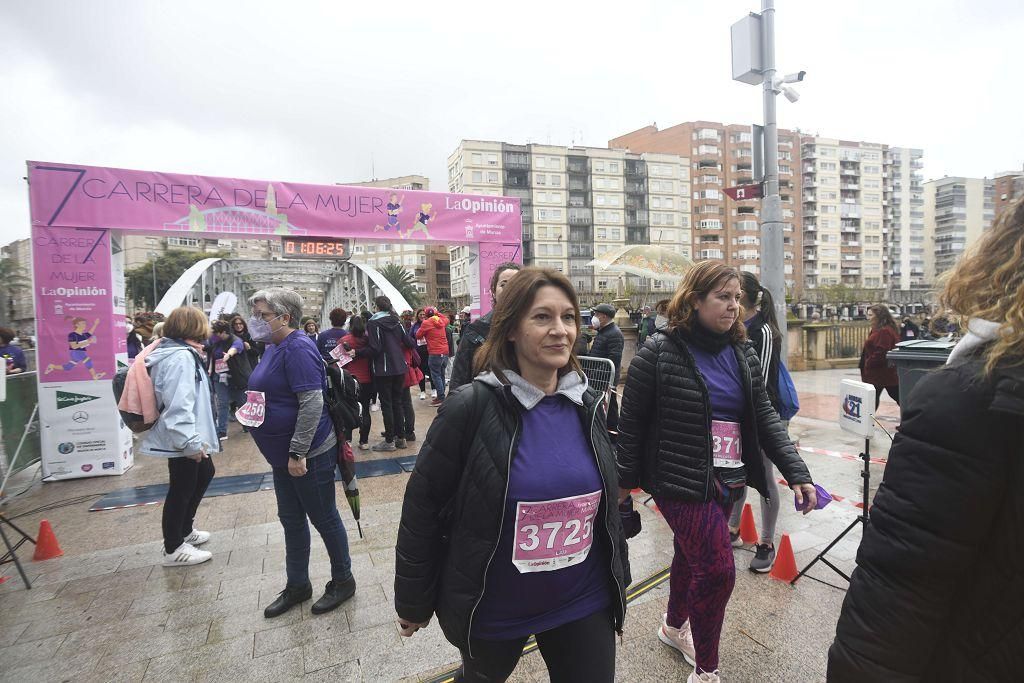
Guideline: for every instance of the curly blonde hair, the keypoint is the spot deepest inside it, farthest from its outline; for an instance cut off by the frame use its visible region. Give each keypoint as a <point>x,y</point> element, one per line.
<point>988,283</point>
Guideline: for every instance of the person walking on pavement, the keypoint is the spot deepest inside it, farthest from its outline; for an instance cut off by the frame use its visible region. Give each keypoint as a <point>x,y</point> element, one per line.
<point>694,441</point>
<point>525,443</point>
<point>421,348</point>
<point>229,371</point>
<point>476,332</point>
<point>608,343</point>
<point>766,339</point>
<point>938,592</point>
<point>874,367</point>
<point>170,373</point>
<point>253,349</point>
<point>358,346</point>
<point>386,338</point>
<point>433,331</point>
<point>294,432</point>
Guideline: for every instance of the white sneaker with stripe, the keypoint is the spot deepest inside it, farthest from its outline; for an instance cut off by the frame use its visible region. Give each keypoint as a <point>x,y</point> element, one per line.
<point>186,555</point>
<point>197,537</point>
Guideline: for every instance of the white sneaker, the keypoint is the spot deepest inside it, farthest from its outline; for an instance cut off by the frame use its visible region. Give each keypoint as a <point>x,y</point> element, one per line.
<point>374,407</point>
<point>433,393</point>
<point>423,396</point>
<point>186,555</point>
<point>679,638</point>
<point>705,677</point>
<point>197,537</point>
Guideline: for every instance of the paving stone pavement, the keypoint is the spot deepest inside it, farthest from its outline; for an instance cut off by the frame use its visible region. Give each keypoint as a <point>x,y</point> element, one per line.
<point>106,610</point>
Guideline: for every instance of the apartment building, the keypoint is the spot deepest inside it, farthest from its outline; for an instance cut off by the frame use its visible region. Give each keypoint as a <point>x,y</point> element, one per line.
<point>19,305</point>
<point>1007,187</point>
<point>956,212</point>
<point>577,203</point>
<point>721,155</point>
<point>903,216</point>
<point>845,213</point>
<point>429,263</point>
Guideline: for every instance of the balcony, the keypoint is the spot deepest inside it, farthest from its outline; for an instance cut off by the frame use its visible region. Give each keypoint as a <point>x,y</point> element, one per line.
<point>810,213</point>
<point>579,184</point>
<point>581,251</point>
<point>517,161</point>
<point>849,171</point>
<point>578,166</point>
<point>636,169</point>
<point>849,211</point>
<point>581,270</point>
<point>637,235</point>
<point>580,217</point>
<point>810,257</point>
<point>849,186</point>
<point>637,219</point>
<point>636,187</point>
<point>638,201</point>
<point>851,243</point>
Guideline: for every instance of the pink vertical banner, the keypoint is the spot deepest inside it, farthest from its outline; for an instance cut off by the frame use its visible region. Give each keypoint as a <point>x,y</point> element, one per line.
<point>493,254</point>
<point>74,304</point>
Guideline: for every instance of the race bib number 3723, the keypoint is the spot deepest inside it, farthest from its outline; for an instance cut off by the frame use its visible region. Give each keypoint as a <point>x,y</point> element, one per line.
<point>553,534</point>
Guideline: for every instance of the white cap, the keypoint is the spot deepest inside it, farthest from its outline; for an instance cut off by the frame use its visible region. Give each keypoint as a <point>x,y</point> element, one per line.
<point>466,309</point>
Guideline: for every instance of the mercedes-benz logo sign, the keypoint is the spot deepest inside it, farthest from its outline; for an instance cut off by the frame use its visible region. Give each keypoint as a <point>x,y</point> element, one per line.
<point>80,416</point>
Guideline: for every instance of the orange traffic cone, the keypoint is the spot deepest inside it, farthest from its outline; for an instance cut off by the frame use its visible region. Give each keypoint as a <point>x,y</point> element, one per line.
<point>784,568</point>
<point>46,543</point>
<point>748,531</point>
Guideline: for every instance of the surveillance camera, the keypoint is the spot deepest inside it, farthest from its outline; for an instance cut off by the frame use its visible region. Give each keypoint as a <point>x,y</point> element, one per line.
<point>794,78</point>
<point>791,95</point>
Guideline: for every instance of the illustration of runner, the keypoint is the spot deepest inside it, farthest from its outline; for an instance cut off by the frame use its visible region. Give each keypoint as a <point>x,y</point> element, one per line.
<point>422,218</point>
<point>394,208</point>
<point>78,341</point>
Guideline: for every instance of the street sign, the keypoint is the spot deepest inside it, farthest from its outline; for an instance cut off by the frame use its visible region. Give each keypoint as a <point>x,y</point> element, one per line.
<point>741,192</point>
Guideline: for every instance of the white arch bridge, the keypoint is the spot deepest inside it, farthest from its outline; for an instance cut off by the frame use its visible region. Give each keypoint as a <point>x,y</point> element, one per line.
<point>344,284</point>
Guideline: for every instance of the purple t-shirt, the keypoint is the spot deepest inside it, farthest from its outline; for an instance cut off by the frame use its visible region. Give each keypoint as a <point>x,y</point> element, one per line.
<point>218,347</point>
<point>287,368</point>
<point>721,372</point>
<point>553,461</point>
<point>328,339</point>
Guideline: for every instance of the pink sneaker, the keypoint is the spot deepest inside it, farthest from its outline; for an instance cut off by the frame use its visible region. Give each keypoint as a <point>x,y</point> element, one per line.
<point>679,638</point>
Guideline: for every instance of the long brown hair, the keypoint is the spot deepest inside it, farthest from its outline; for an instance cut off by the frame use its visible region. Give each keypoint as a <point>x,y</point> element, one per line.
<point>988,283</point>
<point>498,353</point>
<point>883,318</point>
<point>701,280</point>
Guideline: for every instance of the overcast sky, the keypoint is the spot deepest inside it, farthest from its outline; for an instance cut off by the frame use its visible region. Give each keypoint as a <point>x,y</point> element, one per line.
<point>326,92</point>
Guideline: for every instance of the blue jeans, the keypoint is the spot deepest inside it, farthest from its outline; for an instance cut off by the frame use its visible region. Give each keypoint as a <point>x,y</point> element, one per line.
<point>225,396</point>
<point>438,364</point>
<point>311,495</point>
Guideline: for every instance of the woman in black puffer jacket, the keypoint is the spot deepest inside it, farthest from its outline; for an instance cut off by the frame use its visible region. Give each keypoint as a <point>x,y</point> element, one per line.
<point>509,525</point>
<point>694,442</point>
<point>938,593</point>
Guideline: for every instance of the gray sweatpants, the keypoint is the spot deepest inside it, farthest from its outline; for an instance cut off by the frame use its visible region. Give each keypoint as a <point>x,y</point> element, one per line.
<point>769,508</point>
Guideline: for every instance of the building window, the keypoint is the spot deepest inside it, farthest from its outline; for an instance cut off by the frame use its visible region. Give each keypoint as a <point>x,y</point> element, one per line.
<point>492,177</point>
<point>478,177</point>
<point>478,159</point>
<point>613,166</point>
<point>492,159</point>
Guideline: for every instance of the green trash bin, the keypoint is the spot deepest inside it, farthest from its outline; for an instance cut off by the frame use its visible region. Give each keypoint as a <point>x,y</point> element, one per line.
<point>915,357</point>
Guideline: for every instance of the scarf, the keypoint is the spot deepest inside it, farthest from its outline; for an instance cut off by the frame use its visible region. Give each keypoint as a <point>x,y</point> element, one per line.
<point>712,342</point>
<point>979,333</point>
<point>138,396</point>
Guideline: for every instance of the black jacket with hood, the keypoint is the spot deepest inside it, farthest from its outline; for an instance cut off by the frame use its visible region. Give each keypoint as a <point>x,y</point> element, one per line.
<point>938,592</point>
<point>454,504</point>
<point>471,339</point>
<point>385,339</point>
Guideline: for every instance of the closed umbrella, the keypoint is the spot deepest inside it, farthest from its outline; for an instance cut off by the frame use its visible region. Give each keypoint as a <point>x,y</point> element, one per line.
<point>347,465</point>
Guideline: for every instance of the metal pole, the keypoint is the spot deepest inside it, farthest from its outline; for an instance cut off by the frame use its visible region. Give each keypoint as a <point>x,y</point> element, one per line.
<point>773,275</point>
<point>152,262</point>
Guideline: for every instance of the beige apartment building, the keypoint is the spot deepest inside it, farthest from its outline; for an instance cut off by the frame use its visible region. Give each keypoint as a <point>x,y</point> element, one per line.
<point>1007,187</point>
<point>957,211</point>
<point>429,263</point>
<point>720,156</point>
<point>577,203</point>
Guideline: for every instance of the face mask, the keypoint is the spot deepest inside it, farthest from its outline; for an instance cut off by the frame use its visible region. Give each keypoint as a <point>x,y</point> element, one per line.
<point>259,329</point>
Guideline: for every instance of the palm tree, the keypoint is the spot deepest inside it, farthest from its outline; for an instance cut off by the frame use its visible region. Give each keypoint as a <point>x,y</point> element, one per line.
<point>402,280</point>
<point>12,280</point>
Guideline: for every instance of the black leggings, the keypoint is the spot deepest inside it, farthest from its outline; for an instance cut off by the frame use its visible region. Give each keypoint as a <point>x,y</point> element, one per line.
<point>582,651</point>
<point>894,392</point>
<point>187,486</point>
<point>366,394</point>
<point>424,366</point>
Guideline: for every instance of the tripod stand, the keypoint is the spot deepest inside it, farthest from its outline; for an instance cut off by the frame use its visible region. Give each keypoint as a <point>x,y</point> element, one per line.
<point>862,518</point>
<point>11,555</point>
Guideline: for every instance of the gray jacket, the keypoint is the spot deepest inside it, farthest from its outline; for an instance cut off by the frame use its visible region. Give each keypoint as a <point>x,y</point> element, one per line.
<point>186,425</point>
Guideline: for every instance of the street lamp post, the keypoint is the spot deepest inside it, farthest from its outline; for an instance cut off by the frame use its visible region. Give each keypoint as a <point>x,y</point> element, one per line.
<point>753,62</point>
<point>152,262</point>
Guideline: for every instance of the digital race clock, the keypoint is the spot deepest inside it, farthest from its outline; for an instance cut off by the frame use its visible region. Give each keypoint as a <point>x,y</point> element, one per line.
<point>314,248</point>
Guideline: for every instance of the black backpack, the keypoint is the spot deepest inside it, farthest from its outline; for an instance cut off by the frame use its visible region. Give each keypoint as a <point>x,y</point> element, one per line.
<point>342,399</point>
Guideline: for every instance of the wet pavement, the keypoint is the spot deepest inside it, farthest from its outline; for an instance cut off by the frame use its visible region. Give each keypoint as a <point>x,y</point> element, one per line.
<point>107,611</point>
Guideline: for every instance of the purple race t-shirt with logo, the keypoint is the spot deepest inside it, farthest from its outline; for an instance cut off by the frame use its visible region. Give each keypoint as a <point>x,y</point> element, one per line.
<point>286,369</point>
<point>554,490</point>
<point>328,339</point>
